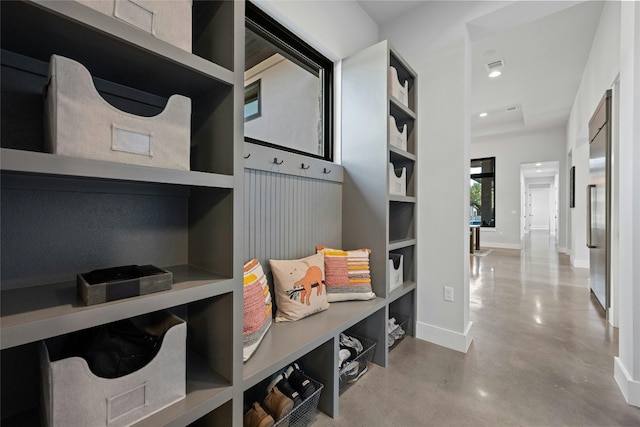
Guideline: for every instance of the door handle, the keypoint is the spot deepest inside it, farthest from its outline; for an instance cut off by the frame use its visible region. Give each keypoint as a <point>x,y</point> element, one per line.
<point>590,244</point>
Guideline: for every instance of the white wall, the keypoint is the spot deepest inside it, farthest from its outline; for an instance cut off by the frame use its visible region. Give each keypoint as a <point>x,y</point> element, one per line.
<point>434,40</point>
<point>290,106</point>
<point>579,256</point>
<point>615,50</point>
<point>510,151</point>
<point>627,364</point>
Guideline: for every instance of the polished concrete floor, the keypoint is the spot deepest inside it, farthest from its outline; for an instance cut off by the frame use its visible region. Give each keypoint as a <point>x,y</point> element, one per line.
<point>542,355</point>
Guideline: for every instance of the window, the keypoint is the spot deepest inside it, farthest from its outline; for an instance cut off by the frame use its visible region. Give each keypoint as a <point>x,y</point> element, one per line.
<point>482,196</point>
<point>288,89</point>
<point>252,101</point>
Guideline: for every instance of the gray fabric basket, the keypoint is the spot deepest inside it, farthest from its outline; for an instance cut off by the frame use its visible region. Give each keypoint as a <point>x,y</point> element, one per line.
<point>74,396</point>
<point>80,123</point>
<point>168,20</point>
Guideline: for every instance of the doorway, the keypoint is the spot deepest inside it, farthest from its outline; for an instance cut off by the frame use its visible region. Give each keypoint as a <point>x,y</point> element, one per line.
<point>538,207</point>
<point>539,198</point>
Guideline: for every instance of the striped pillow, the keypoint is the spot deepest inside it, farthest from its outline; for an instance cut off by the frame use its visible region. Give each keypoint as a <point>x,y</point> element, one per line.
<point>346,274</point>
<point>257,308</point>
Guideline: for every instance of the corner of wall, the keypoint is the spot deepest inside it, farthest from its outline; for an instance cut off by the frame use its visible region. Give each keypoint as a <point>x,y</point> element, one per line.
<point>629,387</point>
<point>446,337</point>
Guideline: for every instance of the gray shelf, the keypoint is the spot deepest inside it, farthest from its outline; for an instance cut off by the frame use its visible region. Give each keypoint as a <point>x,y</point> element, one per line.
<point>396,154</point>
<point>406,287</point>
<point>40,312</point>
<point>206,391</point>
<point>402,199</point>
<point>399,244</point>
<point>399,110</point>
<point>286,342</point>
<point>30,162</point>
<point>107,47</point>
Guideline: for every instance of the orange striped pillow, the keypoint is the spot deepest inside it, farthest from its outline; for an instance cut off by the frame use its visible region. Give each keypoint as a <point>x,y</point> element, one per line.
<point>347,274</point>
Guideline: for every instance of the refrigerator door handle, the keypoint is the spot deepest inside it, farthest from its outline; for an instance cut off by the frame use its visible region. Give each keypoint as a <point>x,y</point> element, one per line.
<point>590,244</point>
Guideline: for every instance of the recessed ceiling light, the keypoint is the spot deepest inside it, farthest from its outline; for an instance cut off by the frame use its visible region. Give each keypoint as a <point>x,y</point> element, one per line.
<point>495,68</point>
<point>482,114</point>
<point>538,164</point>
<point>537,170</point>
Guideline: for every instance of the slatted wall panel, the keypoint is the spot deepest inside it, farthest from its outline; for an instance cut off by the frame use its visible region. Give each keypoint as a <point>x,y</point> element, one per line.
<point>286,216</point>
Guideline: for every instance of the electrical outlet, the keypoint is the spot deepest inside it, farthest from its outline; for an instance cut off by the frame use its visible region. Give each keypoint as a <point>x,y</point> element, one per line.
<point>448,293</point>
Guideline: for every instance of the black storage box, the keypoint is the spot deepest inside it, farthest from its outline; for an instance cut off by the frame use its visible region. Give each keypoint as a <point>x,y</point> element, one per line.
<point>116,283</point>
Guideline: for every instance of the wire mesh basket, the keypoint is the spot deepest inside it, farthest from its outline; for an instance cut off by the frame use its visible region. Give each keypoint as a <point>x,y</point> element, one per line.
<point>353,370</point>
<point>403,323</point>
<point>304,414</point>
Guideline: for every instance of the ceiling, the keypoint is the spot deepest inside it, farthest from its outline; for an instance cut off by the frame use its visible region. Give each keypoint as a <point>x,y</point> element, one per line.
<point>539,170</point>
<point>544,60</point>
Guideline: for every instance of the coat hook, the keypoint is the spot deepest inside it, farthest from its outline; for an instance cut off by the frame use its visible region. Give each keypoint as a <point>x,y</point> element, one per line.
<point>247,156</point>
<point>308,166</point>
<point>326,171</point>
<point>276,162</point>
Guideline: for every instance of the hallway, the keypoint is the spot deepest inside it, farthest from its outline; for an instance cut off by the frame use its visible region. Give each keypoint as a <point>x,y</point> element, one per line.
<point>542,355</point>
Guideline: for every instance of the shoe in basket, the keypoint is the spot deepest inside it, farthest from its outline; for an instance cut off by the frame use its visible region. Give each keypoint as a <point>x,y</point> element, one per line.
<point>257,417</point>
<point>299,381</point>
<point>277,404</point>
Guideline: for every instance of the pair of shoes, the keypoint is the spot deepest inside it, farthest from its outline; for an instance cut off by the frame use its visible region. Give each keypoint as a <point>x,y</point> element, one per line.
<point>285,387</point>
<point>394,330</point>
<point>257,417</point>
<point>277,404</point>
<point>299,381</point>
<point>350,349</point>
<point>350,372</point>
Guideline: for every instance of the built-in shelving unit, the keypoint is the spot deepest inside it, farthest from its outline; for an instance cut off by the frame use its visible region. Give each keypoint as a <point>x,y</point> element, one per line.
<point>373,217</point>
<point>62,216</point>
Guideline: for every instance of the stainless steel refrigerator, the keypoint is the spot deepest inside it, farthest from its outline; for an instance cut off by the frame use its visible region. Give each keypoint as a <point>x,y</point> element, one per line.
<point>599,202</point>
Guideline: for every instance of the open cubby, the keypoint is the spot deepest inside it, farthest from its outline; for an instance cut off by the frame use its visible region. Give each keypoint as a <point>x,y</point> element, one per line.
<point>402,223</point>
<point>23,81</point>
<point>209,368</point>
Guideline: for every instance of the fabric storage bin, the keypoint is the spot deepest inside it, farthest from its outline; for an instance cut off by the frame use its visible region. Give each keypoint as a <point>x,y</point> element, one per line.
<point>75,396</point>
<point>395,271</point>
<point>170,21</point>
<point>80,123</point>
<point>397,181</point>
<point>397,138</point>
<point>398,89</point>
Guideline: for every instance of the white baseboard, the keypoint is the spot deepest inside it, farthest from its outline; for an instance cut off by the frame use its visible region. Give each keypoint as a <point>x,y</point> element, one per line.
<point>563,251</point>
<point>446,337</point>
<point>629,387</point>
<point>579,263</point>
<point>499,245</point>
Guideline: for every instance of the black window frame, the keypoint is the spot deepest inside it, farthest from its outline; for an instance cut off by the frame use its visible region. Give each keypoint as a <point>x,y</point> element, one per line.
<point>492,188</point>
<point>248,89</point>
<point>306,57</point>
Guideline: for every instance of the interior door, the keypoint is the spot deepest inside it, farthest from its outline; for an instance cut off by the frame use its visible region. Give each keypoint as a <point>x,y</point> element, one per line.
<point>539,208</point>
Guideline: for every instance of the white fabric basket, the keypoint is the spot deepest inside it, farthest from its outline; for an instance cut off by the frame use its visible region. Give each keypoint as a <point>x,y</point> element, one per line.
<point>398,89</point>
<point>397,138</point>
<point>397,182</point>
<point>168,20</point>
<point>395,274</point>
<point>83,124</point>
